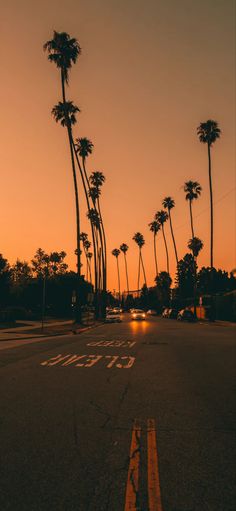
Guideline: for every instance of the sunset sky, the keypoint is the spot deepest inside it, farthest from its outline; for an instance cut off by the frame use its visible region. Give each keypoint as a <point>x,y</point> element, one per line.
<point>150,71</point>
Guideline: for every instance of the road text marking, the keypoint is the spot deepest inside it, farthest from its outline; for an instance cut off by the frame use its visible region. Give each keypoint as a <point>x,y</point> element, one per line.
<point>113,344</point>
<point>90,361</point>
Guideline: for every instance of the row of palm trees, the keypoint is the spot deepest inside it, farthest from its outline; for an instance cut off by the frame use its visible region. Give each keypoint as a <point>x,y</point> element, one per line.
<point>64,51</point>
<point>208,133</point>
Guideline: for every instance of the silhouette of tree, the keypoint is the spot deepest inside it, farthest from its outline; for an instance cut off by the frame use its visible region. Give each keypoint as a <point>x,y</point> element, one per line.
<point>195,245</point>
<point>139,239</point>
<point>155,227</point>
<point>64,51</point>
<point>193,191</point>
<point>169,203</point>
<point>210,280</point>
<point>124,248</point>
<point>116,252</point>
<point>97,179</point>
<point>5,279</point>
<point>208,132</point>
<point>161,217</point>
<point>163,283</point>
<point>185,276</point>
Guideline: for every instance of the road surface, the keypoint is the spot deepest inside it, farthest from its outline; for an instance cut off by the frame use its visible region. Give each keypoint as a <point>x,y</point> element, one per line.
<point>137,416</point>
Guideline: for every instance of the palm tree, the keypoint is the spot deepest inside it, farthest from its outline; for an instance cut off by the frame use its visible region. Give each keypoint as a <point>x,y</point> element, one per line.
<point>116,253</point>
<point>83,147</point>
<point>97,179</point>
<point>169,203</point>
<point>161,217</point>
<point>65,113</point>
<point>64,51</point>
<point>124,248</point>
<point>139,239</point>
<point>195,245</point>
<point>193,191</point>
<point>155,227</point>
<point>208,133</point>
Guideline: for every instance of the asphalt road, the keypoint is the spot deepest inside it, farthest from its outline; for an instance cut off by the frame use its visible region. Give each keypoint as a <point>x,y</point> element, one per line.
<point>125,417</point>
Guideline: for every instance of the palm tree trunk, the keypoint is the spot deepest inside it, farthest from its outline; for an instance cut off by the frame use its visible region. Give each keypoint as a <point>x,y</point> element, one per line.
<point>118,273</point>
<point>74,179</point>
<point>167,255</point>
<point>138,270</point>
<point>155,253</point>
<point>92,226</point>
<point>144,274</point>
<point>173,238</point>
<point>195,286</point>
<point>104,248</point>
<point>211,202</point>
<point>191,217</point>
<point>126,271</point>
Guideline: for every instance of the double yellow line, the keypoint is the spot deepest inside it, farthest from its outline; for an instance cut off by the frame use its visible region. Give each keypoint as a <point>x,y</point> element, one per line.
<point>132,497</point>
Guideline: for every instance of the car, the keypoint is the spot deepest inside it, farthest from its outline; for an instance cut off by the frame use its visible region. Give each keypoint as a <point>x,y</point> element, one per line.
<point>138,314</point>
<point>117,309</point>
<point>185,315</point>
<point>152,312</point>
<point>165,313</point>
<point>173,313</point>
<point>113,317</point>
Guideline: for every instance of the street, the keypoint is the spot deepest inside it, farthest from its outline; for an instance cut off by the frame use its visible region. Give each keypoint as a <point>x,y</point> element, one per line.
<point>135,416</point>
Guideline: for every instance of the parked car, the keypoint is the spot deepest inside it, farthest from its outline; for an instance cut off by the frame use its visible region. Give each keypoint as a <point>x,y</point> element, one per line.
<point>165,313</point>
<point>138,314</point>
<point>113,317</point>
<point>117,309</point>
<point>185,315</point>
<point>152,312</point>
<point>173,313</point>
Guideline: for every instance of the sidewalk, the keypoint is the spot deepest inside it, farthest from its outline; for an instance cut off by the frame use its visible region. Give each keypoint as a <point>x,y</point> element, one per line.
<point>33,329</point>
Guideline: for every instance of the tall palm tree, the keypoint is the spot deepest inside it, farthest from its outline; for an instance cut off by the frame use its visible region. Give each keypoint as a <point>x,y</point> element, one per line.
<point>139,239</point>
<point>65,113</point>
<point>195,245</point>
<point>155,227</point>
<point>208,133</point>
<point>193,191</point>
<point>64,51</point>
<point>161,217</point>
<point>124,248</point>
<point>116,252</point>
<point>97,180</point>
<point>83,147</point>
<point>169,203</point>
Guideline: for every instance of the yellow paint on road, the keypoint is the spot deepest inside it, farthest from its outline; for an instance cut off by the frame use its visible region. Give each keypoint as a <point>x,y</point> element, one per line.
<point>131,498</point>
<point>154,492</point>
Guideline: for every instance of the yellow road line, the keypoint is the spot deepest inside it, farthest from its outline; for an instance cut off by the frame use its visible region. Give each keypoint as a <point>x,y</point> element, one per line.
<point>154,493</point>
<point>133,472</point>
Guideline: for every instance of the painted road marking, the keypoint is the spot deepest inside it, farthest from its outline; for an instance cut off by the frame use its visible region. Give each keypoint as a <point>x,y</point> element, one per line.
<point>154,492</point>
<point>117,361</point>
<point>113,344</point>
<point>131,498</point>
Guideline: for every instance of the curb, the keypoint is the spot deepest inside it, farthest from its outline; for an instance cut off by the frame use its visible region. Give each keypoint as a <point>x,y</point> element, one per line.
<point>40,336</point>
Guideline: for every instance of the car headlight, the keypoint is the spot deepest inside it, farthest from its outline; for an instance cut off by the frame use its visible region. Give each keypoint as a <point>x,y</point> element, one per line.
<point>143,315</point>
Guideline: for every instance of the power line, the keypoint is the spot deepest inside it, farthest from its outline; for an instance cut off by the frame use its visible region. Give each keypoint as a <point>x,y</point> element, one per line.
<point>206,209</point>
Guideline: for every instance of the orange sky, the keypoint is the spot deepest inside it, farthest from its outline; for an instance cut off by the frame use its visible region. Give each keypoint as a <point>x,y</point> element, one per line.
<point>149,73</point>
